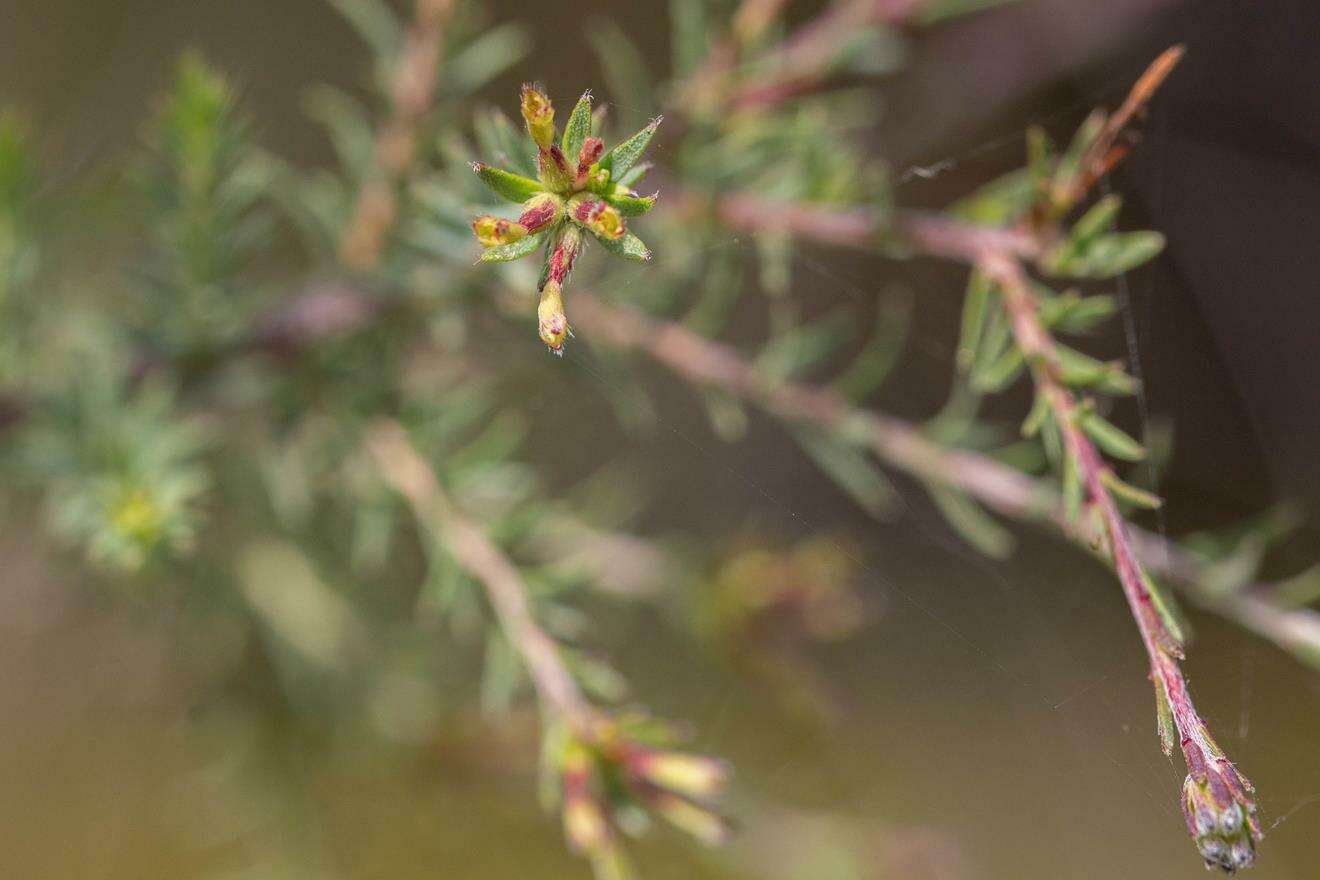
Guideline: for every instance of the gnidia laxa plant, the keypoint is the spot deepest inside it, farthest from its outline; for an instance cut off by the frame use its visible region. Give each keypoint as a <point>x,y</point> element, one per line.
<point>579,187</point>
<point>763,154</point>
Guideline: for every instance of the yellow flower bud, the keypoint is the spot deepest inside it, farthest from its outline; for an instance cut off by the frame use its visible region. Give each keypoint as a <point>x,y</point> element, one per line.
<point>602,219</point>
<point>691,775</point>
<point>539,114</point>
<point>552,323</point>
<point>492,231</point>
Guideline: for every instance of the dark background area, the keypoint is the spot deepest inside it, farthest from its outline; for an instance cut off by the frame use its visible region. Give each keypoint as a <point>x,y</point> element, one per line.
<point>1004,705</point>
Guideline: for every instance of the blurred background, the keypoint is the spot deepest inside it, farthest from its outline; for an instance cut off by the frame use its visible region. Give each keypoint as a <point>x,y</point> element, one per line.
<point>991,719</point>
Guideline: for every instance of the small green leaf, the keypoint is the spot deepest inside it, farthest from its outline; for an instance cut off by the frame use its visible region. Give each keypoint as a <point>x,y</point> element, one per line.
<point>630,205</point>
<point>970,520</point>
<point>505,253</point>
<point>1040,411</point>
<point>802,346</point>
<point>852,472</point>
<point>623,157</point>
<point>1052,441</point>
<point>1065,173</point>
<point>1131,494</point>
<point>1073,490</point>
<point>1002,373</point>
<point>976,306</point>
<point>1167,610</point>
<point>874,363</point>
<point>577,128</point>
<point>507,185</point>
<point>691,30</point>
<point>1104,257</point>
<point>1070,312</point>
<point>1083,371</point>
<point>630,247</point>
<point>1100,218</point>
<point>1040,158</point>
<point>1164,718</point>
<point>999,202</point>
<point>1111,438</point>
<point>627,78</point>
<point>727,414</point>
<point>996,340</point>
<point>635,174</point>
<point>507,144</point>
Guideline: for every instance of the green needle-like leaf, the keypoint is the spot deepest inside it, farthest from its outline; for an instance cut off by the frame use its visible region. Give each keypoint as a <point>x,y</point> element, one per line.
<point>630,205</point>
<point>577,128</point>
<point>630,247</point>
<point>507,185</point>
<point>506,253</point>
<point>1112,439</point>
<point>623,157</point>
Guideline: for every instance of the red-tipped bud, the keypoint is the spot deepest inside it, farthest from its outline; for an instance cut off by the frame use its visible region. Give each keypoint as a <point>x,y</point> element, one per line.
<point>564,256</point>
<point>539,115</point>
<point>492,231</point>
<point>602,219</point>
<point>1220,812</point>
<point>540,211</point>
<point>592,149</point>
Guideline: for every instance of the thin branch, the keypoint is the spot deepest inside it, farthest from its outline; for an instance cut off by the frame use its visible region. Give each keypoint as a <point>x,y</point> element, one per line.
<point>411,93</point>
<point>1214,785</point>
<point>901,445</point>
<point>855,227</point>
<point>408,473</point>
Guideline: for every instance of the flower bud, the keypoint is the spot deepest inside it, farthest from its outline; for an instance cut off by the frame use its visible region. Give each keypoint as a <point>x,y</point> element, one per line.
<point>1221,816</point>
<point>592,149</point>
<point>539,114</point>
<point>492,231</point>
<point>540,211</point>
<point>551,322</point>
<point>602,219</point>
<point>703,824</point>
<point>562,258</point>
<point>694,776</point>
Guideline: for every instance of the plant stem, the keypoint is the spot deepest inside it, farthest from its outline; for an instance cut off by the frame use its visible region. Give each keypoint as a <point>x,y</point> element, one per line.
<point>903,446</point>
<point>408,473</point>
<point>411,93</point>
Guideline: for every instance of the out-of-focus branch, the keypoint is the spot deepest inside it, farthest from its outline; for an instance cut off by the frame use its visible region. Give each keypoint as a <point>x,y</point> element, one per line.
<point>850,226</point>
<point>901,445</point>
<point>411,93</point>
<point>408,473</point>
<point>800,66</point>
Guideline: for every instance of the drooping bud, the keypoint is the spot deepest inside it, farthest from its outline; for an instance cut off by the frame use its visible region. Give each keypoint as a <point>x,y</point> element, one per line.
<point>540,211</point>
<point>552,326</point>
<point>492,231</point>
<point>602,219</point>
<point>592,149</point>
<point>1220,811</point>
<point>539,114</point>
<point>694,776</point>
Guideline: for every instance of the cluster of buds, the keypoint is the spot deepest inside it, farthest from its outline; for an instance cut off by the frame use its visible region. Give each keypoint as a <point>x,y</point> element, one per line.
<point>580,188</point>
<point>1219,805</point>
<point>626,762</point>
